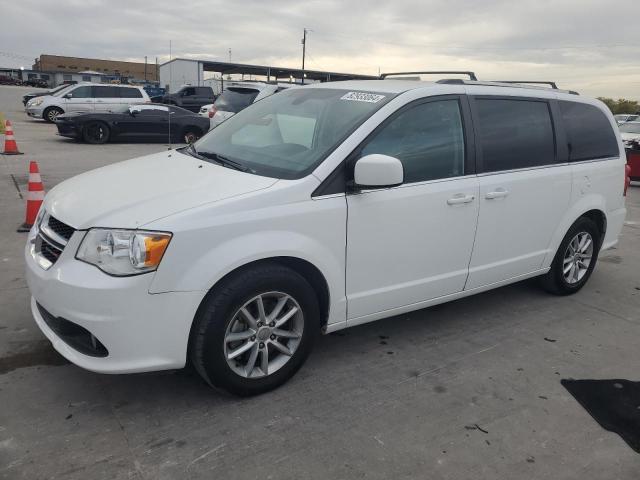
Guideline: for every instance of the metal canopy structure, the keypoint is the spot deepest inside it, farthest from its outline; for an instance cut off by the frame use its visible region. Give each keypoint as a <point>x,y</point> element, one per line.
<point>274,73</point>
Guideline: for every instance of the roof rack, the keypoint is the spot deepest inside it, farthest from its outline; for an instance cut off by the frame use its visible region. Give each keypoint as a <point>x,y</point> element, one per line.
<point>531,82</point>
<point>505,83</point>
<point>471,75</point>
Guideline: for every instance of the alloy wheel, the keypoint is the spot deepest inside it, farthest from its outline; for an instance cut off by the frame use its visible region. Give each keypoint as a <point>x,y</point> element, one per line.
<point>577,258</point>
<point>263,335</point>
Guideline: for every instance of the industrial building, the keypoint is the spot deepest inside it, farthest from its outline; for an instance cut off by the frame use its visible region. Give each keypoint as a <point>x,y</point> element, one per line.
<point>183,71</point>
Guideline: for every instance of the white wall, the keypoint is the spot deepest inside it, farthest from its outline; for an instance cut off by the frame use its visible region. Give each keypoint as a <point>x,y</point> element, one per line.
<point>177,73</point>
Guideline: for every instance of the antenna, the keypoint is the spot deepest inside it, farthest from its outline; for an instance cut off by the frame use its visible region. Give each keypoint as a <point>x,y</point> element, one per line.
<point>170,86</point>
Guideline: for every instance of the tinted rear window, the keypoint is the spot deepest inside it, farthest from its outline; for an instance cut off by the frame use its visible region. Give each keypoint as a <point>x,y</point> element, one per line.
<point>589,132</point>
<point>129,92</point>
<point>105,92</point>
<point>515,134</point>
<point>234,99</point>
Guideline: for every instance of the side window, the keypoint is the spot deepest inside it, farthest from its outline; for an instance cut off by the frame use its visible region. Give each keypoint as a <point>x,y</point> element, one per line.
<point>203,91</point>
<point>514,134</point>
<point>129,92</point>
<point>82,92</point>
<point>106,92</point>
<point>428,139</point>
<point>589,132</point>
<point>187,92</point>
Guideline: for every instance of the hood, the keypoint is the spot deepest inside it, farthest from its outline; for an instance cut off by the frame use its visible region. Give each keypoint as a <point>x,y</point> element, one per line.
<point>135,192</point>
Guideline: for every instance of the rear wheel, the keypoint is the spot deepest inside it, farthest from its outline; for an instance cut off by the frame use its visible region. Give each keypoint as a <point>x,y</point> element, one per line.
<point>51,113</point>
<point>575,259</point>
<point>95,133</point>
<point>255,330</point>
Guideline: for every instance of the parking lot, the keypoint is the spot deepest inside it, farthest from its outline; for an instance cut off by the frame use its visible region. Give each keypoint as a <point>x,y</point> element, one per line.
<point>469,389</point>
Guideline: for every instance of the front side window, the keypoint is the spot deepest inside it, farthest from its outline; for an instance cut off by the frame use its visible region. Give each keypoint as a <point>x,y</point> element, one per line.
<point>82,92</point>
<point>289,134</point>
<point>589,132</point>
<point>514,134</point>
<point>427,138</point>
<point>188,92</point>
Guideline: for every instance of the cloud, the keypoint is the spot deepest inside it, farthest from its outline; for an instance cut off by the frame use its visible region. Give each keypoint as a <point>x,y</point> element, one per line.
<point>583,44</point>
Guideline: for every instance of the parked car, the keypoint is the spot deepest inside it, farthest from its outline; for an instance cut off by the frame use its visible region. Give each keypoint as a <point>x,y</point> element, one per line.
<point>86,97</point>
<point>36,82</point>
<point>43,93</point>
<point>238,97</point>
<point>317,209</point>
<point>623,118</point>
<point>633,160</point>
<point>140,122</point>
<point>155,93</point>
<point>8,80</point>
<point>191,98</point>
<point>629,131</point>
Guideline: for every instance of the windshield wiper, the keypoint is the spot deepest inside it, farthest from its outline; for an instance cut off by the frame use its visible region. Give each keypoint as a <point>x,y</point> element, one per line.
<point>227,162</point>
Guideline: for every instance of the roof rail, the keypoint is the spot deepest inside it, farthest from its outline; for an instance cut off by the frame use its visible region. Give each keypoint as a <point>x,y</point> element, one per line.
<point>471,75</point>
<point>508,83</point>
<point>532,82</point>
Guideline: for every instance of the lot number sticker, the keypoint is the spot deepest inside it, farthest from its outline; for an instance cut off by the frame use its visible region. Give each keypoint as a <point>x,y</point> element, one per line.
<point>362,97</point>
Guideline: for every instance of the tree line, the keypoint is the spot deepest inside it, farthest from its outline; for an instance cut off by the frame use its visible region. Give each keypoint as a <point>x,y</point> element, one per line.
<point>622,105</point>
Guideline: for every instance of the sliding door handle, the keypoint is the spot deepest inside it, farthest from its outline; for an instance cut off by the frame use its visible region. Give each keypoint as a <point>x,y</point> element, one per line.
<point>498,193</point>
<point>460,199</point>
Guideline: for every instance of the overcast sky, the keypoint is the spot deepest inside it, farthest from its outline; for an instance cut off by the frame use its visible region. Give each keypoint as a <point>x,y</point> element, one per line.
<point>592,46</point>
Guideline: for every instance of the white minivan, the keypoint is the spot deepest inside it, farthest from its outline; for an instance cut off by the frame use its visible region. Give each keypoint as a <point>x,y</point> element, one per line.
<point>317,209</point>
<point>86,97</point>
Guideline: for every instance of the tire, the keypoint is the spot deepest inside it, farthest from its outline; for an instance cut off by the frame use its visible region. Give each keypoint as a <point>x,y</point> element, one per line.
<point>220,317</point>
<point>191,134</point>
<point>566,276</point>
<point>96,133</point>
<point>50,114</point>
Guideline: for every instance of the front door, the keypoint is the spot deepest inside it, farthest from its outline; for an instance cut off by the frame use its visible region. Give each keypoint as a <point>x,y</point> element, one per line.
<point>412,243</point>
<point>81,100</point>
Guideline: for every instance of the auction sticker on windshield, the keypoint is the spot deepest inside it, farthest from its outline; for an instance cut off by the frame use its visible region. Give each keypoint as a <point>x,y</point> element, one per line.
<point>362,97</point>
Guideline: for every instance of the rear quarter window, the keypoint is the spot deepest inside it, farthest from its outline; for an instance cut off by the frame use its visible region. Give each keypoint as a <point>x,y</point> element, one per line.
<point>129,92</point>
<point>589,133</point>
<point>234,99</point>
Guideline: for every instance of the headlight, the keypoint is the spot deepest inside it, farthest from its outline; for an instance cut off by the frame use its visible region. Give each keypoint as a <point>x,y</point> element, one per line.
<point>123,252</point>
<point>35,102</point>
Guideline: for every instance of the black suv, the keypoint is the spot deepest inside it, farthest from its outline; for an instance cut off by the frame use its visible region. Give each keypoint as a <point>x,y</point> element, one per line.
<point>191,98</point>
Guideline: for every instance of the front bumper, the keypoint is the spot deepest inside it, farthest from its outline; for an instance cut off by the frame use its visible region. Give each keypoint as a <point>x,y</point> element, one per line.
<point>141,331</point>
<point>67,129</point>
<point>34,112</point>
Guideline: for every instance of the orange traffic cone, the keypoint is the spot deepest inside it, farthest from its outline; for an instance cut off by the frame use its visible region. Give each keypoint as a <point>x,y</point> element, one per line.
<point>10,146</point>
<point>35,196</point>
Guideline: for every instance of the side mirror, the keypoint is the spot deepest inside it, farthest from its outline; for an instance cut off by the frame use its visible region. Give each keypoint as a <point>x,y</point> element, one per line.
<point>375,171</point>
<point>68,96</point>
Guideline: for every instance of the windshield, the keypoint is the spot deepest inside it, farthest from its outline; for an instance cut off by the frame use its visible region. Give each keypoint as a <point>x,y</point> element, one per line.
<point>287,135</point>
<point>61,91</point>
<point>630,128</point>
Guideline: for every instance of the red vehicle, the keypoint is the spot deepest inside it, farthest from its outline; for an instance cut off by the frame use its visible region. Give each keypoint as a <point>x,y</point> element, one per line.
<point>633,160</point>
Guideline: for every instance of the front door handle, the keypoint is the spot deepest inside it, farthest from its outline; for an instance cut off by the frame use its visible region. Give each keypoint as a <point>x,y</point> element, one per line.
<point>498,193</point>
<point>460,198</point>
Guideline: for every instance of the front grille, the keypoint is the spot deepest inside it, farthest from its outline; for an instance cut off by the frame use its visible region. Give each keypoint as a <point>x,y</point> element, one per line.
<point>77,337</point>
<point>47,249</point>
<point>62,229</point>
<point>53,236</point>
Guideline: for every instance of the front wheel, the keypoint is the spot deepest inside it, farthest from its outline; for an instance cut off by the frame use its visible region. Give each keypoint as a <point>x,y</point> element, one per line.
<point>95,133</point>
<point>51,113</point>
<point>575,259</point>
<point>255,330</point>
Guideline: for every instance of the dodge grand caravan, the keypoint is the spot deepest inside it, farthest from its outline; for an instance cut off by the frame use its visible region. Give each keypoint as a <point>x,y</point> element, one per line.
<point>318,209</point>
